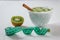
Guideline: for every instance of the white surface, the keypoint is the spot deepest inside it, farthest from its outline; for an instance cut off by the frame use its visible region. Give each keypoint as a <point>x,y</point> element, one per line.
<point>12,8</point>
<point>29,0</point>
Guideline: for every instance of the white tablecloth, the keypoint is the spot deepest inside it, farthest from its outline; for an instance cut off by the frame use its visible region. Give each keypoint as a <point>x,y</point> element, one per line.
<point>13,8</point>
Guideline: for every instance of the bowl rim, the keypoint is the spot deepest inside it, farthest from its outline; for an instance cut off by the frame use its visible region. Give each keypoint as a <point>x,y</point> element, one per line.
<point>43,12</point>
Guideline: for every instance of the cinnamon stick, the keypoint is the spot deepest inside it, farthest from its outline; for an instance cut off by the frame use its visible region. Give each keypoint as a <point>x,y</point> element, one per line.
<point>27,7</point>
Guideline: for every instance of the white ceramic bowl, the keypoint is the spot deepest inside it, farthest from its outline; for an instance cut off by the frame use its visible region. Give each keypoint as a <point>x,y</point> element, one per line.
<point>40,18</point>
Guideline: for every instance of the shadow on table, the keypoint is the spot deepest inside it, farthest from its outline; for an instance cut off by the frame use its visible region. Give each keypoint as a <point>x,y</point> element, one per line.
<point>15,37</point>
<point>46,36</point>
<point>55,29</point>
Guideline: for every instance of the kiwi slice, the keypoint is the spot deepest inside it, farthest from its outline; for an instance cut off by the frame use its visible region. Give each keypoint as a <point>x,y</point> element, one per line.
<point>41,9</point>
<point>17,20</point>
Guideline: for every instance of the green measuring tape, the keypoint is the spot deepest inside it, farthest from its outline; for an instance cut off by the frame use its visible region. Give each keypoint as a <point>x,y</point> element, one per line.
<point>27,31</point>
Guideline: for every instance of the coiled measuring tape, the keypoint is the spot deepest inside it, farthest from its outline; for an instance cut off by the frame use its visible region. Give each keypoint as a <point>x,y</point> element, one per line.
<point>27,31</point>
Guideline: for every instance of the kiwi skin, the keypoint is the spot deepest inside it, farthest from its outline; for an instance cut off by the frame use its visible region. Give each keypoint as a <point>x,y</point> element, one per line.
<point>17,23</point>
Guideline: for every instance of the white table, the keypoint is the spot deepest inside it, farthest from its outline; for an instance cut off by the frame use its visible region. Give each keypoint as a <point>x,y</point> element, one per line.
<point>13,8</point>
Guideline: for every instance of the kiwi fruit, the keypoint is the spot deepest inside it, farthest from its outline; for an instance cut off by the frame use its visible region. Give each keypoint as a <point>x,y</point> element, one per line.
<point>17,20</point>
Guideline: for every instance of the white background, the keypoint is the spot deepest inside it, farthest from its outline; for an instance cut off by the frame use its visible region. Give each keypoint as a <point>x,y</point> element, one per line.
<point>13,8</point>
<point>29,0</point>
